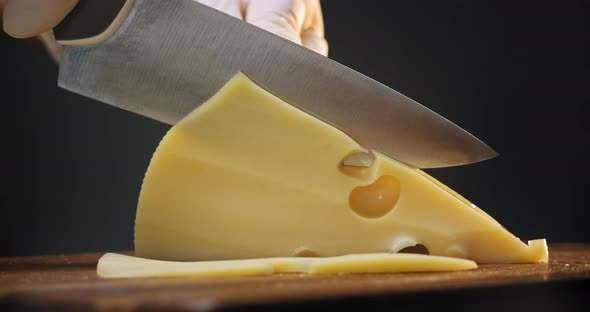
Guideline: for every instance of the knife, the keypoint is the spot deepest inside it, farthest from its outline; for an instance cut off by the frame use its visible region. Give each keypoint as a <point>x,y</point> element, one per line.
<point>162,59</point>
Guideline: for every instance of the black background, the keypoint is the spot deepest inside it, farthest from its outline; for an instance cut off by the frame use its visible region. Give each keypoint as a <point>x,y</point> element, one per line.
<point>513,73</point>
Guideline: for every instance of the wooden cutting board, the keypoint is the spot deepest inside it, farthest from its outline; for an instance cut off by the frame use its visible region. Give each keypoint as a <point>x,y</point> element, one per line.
<point>69,282</point>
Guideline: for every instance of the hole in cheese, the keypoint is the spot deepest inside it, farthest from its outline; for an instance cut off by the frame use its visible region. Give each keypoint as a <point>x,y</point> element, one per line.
<point>416,249</point>
<point>357,164</point>
<point>304,252</point>
<point>359,159</point>
<point>376,199</point>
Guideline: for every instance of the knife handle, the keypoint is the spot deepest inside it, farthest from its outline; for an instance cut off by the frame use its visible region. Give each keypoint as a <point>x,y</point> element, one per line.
<point>92,21</point>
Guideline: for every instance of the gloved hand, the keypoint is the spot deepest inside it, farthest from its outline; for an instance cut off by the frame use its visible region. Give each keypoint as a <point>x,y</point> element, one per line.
<point>300,21</point>
<point>29,18</point>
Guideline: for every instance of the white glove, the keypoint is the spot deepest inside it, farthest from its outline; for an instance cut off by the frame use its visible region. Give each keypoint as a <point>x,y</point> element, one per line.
<point>29,18</point>
<point>300,21</point>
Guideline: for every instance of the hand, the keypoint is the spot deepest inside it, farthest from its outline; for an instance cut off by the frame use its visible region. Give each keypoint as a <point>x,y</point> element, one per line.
<point>300,21</point>
<point>29,18</point>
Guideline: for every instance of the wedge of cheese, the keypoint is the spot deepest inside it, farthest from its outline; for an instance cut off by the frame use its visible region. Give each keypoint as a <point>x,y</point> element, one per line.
<point>246,175</point>
<point>113,265</point>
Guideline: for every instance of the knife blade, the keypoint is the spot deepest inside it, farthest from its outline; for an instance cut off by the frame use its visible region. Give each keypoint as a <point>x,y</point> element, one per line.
<point>163,59</point>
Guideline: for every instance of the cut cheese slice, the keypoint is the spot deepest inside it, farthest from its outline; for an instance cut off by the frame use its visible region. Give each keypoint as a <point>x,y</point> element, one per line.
<point>387,263</point>
<point>113,265</point>
<point>246,175</point>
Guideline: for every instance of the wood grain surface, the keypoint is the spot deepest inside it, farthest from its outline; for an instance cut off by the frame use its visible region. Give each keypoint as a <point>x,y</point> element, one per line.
<point>69,282</point>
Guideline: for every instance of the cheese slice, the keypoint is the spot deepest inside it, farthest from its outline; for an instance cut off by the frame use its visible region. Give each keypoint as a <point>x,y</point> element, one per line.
<point>113,265</point>
<point>246,175</point>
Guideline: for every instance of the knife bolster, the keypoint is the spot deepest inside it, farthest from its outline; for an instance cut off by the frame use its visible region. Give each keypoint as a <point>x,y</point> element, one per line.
<point>91,22</point>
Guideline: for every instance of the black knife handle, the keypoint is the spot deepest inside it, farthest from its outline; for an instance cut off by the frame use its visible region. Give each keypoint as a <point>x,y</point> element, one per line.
<point>88,19</point>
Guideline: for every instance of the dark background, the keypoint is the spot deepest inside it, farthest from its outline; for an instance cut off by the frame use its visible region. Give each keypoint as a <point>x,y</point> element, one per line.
<point>513,73</point>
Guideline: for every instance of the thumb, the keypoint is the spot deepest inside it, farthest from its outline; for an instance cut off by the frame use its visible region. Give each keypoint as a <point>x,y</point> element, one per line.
<point>29,18</point>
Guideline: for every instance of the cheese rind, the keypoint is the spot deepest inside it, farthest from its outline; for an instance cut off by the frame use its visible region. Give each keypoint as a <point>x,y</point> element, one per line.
<point>113,265</point>
<point>247,175</point>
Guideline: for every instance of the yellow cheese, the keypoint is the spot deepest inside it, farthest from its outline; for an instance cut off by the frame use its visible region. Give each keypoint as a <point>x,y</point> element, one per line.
<point>120,266</point>
<point>113,265</point>
<point>247,175</point>
<point>387,263</point>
